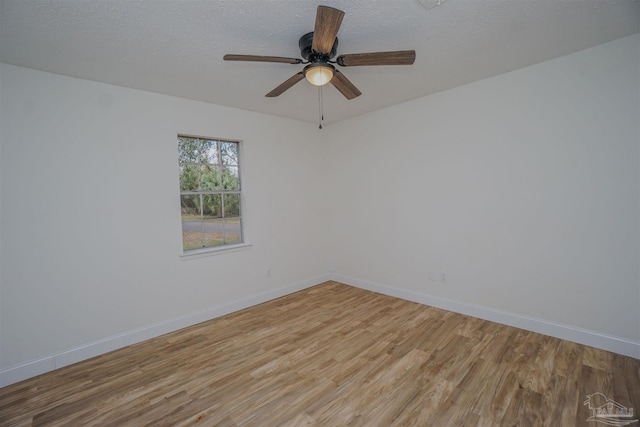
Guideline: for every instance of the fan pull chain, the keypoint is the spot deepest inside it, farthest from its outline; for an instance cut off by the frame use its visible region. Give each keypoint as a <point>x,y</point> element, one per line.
<point>320,107</point>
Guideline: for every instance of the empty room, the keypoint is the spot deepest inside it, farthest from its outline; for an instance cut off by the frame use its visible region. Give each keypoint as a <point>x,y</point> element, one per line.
<point>288,213</point>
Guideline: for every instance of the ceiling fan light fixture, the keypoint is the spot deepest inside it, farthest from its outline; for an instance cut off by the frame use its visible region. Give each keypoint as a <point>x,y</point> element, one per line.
<point>319,75</point>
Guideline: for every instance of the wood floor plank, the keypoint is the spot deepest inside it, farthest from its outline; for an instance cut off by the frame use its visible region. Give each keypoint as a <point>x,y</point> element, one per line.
<point>331,355</point>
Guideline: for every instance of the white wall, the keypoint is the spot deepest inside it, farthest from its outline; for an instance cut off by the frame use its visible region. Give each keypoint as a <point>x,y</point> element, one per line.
<point>524,188</point>
<point>91,237</point>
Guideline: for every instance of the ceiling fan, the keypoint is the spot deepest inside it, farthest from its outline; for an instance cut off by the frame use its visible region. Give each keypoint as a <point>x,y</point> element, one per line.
<point>318,48</point>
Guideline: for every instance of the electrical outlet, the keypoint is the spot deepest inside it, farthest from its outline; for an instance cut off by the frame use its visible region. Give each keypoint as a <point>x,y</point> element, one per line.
<point>268,273</point>
<point>443,276</point>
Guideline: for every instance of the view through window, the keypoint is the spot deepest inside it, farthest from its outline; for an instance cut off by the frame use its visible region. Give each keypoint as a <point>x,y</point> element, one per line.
<point>210,194</point>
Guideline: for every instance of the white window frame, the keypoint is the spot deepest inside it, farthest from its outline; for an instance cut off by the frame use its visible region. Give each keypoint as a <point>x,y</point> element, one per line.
<point>225,247</point>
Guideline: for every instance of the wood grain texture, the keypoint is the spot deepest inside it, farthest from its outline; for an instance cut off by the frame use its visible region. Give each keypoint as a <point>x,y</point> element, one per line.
<point>286,85</point>
<point>331,355</point>
<point>261,58</point>
<point>344,86</point>
<point>396,57</point>
<point>328,21</point>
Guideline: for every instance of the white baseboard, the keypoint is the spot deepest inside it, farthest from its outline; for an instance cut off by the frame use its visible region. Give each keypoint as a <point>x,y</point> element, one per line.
<point>49,363</point>
<point>570,333</point>
<point>566,332</point>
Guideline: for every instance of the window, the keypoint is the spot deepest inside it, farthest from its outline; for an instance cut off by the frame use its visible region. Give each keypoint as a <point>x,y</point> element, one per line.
<point>210,194</point>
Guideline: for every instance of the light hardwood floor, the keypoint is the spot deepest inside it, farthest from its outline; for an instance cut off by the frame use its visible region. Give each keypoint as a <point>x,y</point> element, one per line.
<point>331,355</point>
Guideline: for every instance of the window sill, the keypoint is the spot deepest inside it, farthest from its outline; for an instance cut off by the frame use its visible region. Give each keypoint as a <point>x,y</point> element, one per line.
<point>206,252</point>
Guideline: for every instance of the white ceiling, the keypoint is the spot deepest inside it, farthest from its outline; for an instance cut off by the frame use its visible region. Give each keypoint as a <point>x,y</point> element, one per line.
<point>175,47</point>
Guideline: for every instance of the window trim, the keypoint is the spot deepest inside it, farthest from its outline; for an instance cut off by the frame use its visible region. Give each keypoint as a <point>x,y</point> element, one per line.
<point>214,250</point>
<point>225,248</point>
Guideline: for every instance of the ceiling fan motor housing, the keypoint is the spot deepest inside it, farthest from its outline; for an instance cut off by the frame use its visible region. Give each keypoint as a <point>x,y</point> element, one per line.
<point>307,52</point>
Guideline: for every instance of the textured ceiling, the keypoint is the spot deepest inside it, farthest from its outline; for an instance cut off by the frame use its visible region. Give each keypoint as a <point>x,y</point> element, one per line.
<point>175,47</point>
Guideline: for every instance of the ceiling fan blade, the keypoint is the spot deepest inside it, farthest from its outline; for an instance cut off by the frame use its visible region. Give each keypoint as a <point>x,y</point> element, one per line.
<point>286,85</point>
<point>260,58</point>
<point>396,57</point>
<point>345,86</point>
<point>328,22</point>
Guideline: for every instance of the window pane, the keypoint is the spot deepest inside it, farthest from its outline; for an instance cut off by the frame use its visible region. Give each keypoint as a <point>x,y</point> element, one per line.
<point>229,151</point>
<point>230,179</point>
<point>213,231</point>
<point>190,206</point>
<point>209,178</point>
<point>191,222</point>
<point>212,153</point>
<point>191,237</point>
<point>231,205</point>
<point>206,147</point>
<point>232,231</point>
<point>189,177</point>
<point>187,150</point>
<point>212,206</point>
